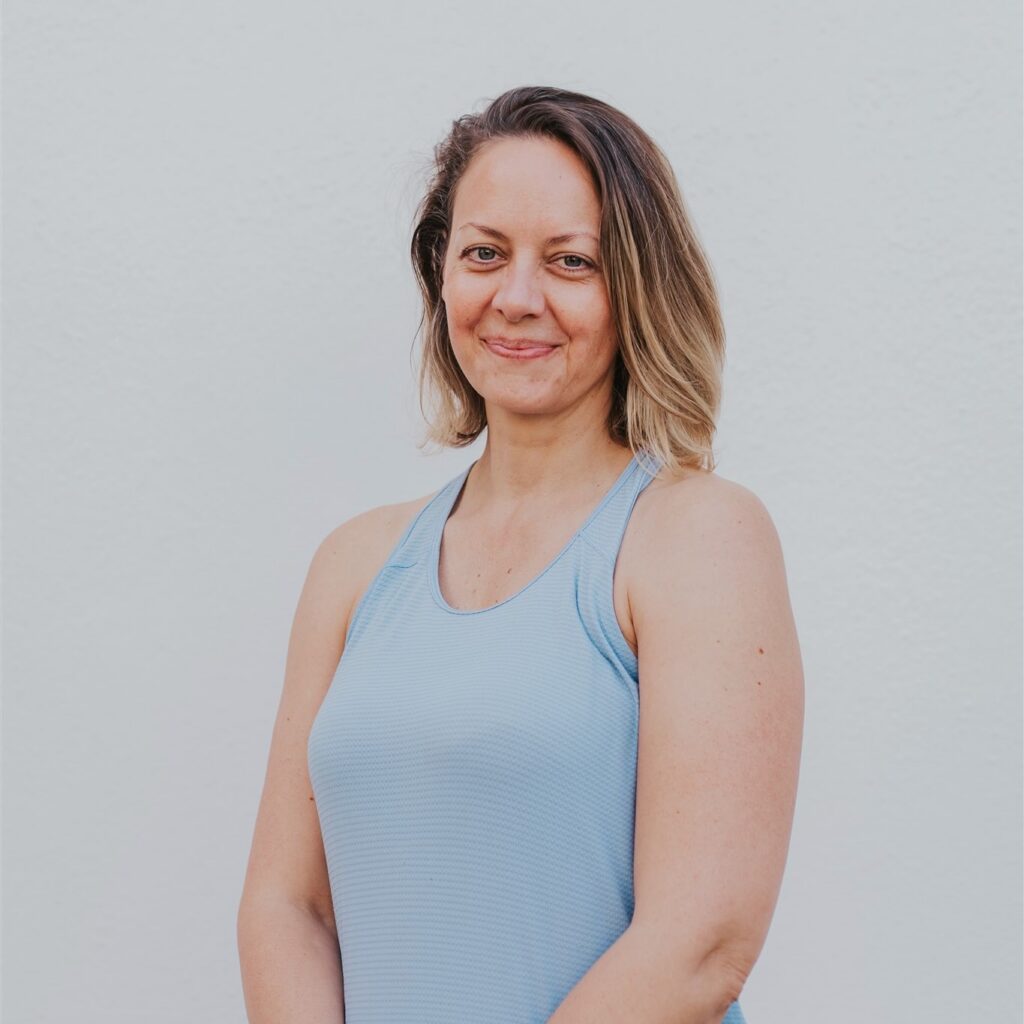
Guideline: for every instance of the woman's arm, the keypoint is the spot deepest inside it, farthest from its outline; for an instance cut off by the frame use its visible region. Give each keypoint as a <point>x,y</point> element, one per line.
<point>721,721</point>
<point>291,965</point>
<point>287,941</point>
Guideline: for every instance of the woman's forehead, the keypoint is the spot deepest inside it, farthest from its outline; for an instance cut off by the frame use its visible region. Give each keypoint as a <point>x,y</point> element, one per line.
<point>523,180</point>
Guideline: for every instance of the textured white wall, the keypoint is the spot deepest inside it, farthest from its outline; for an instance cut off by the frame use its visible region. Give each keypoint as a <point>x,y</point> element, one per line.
<point>209,312</point>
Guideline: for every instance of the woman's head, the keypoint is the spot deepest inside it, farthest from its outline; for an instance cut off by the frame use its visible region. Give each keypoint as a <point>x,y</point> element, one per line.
<point>625,309</point>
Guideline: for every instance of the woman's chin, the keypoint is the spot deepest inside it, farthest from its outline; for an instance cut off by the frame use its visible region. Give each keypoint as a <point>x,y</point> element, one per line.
<point>518,404</point>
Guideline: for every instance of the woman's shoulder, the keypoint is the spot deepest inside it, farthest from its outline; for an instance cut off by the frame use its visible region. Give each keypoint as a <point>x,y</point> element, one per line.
<point>694,511</point>
<point>696,491</point>
<point>698,525</point>
<point>375,532</point>
<point>354,551</point>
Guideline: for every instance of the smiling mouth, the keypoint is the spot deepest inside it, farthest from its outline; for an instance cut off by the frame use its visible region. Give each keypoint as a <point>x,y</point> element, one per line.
<point>518,350</point>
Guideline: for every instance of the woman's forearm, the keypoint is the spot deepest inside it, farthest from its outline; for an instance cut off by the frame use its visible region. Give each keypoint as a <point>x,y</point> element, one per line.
<point>638,979</point>
<point>291,965</point>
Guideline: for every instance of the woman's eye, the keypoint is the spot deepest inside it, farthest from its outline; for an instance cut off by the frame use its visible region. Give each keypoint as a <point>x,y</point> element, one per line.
<point>582,265</point>
<point>479,249</point>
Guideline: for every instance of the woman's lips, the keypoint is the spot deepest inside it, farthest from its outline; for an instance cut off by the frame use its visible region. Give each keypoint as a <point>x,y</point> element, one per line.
<point>519,352</point>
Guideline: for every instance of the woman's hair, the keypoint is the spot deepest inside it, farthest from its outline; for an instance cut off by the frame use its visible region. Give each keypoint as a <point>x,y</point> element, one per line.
<point>668,371</point>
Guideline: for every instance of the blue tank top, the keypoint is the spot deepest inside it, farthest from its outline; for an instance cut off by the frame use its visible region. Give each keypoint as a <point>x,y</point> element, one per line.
<point>474,775</point>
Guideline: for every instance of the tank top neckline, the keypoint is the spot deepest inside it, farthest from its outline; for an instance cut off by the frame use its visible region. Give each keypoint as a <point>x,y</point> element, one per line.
<point>444,512</point>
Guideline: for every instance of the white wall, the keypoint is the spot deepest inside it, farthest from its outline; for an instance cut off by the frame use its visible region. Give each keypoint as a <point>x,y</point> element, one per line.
<point>209,313</point>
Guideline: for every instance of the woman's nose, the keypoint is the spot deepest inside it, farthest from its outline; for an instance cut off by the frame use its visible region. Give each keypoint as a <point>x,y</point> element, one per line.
<point>520,292</point>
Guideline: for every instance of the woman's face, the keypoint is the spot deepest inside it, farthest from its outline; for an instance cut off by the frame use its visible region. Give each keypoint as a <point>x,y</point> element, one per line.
<point>525,296</point>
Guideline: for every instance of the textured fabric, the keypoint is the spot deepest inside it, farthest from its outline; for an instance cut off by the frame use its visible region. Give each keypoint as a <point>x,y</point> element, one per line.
<point>475,775</point>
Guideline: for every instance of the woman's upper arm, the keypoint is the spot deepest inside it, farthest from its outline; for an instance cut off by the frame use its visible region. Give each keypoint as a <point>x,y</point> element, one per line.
<point>721,719</point>
<point>286,860</point>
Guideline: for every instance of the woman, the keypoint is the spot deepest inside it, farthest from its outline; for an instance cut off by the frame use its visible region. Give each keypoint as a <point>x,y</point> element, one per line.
<point>553,776</point>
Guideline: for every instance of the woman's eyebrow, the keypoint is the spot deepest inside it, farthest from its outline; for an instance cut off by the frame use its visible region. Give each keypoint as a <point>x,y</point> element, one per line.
<point>553,240</point>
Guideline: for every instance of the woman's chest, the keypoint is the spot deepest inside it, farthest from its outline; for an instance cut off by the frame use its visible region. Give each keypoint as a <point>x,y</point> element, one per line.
<point>476,574</point>
<point>499,710</point>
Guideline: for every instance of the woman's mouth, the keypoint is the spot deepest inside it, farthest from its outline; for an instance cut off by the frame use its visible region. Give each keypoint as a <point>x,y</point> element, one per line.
<point>517,350</point>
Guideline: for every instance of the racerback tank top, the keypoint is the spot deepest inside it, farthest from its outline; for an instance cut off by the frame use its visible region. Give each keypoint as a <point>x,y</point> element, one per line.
<point>475,774</point>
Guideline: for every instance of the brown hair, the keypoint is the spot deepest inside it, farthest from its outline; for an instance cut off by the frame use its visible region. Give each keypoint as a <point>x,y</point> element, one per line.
<point>668,373</point>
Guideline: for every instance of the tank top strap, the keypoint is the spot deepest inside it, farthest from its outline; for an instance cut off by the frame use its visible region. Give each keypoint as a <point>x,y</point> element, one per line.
<point>415,544</point>
<point>605,531</point>
<point>602,538</point>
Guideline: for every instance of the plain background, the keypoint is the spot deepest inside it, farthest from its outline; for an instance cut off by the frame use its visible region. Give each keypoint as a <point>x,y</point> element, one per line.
<point>209,316</point>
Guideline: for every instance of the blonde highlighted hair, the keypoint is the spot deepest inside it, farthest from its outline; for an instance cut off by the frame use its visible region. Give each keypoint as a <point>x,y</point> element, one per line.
<point>667,380</point>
